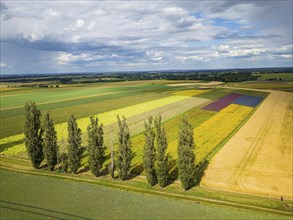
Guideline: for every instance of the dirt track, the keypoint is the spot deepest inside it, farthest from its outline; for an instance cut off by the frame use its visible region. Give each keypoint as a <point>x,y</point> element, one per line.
<point>258,158</point>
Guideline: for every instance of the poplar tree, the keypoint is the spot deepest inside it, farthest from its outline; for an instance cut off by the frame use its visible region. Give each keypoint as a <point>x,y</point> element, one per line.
<point>50,142</point>
<point>96,148</point>
<point>149,153</point>
<point>33,134</point>
<point>186,157</point>
<point>74,144</point>
<point>124,152</point>
<point>162,161</point>
<point>64,162</point>
<point>112,164</point>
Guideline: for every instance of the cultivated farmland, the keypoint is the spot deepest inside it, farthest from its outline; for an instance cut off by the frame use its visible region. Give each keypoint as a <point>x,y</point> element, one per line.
<point>215,115</point>
<point>212,125</point>
<point>258,158</point>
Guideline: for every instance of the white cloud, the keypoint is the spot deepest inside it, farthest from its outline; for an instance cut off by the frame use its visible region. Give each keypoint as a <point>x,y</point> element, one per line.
<point>63,58</point>
<point>287,56</point>
<point>4,65</point>
<point>239,48</point>
<point>91,33</point>
<point>52,12</point>
<point>193,58</point>
<point>79,23</point>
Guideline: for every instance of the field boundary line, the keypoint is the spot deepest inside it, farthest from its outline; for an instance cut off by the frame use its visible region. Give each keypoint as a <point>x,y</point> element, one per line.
<point>153,192</point>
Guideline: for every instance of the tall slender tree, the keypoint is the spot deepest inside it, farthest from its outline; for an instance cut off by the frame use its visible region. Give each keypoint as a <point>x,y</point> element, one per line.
<point>50,142</point>
<point>162,161</point>
<point>124,152</point>
<point>64,162</point>
<point>112,164</point>
<point>96,148</point>
<point>149,153</point>
<point>33,134</point>
<point>186,157</point>
<point>74,144</point>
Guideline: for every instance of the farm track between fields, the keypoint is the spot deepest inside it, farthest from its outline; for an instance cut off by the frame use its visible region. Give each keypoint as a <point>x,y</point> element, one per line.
<point>114,184</point>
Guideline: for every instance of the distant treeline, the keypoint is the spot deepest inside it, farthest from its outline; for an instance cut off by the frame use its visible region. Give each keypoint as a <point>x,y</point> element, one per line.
<point>231,75</point>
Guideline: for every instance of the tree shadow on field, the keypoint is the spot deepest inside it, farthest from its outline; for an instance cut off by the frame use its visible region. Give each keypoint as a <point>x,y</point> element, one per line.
<point>107,157</point>
<point>172,172</point>
<point>200,171</point>
<point>135,171</point>
<point>43,167</point>
<point>86,168</point>
<point>105,171</point>
<point>83,152</point>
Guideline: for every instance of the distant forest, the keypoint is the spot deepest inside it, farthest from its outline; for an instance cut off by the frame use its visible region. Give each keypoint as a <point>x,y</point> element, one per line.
<point>228,75</point>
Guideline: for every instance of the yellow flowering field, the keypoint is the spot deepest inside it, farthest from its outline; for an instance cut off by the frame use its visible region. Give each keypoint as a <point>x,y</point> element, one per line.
<point>12,151</point>
<point>11,139</point>
<point>213,131</point>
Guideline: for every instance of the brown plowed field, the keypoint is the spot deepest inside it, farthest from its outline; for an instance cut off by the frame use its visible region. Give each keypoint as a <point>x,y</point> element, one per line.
<point>258,158</point>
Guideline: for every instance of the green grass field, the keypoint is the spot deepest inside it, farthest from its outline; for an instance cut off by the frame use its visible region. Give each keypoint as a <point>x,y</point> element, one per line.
<point>40,197</point>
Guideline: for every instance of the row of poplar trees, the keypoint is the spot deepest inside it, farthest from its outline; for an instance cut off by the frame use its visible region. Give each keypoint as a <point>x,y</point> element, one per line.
<point>41,143</point>
<point>156,160</point>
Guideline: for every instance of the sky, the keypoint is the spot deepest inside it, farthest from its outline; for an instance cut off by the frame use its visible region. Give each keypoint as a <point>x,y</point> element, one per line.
<point>103,36</point>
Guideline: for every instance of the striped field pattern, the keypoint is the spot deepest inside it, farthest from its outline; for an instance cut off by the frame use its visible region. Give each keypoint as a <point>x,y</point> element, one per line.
<point>168,107</point>
<point>212,124</point>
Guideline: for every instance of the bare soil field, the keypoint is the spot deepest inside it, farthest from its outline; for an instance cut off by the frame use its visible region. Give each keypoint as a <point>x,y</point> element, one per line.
<point>258,158</point>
